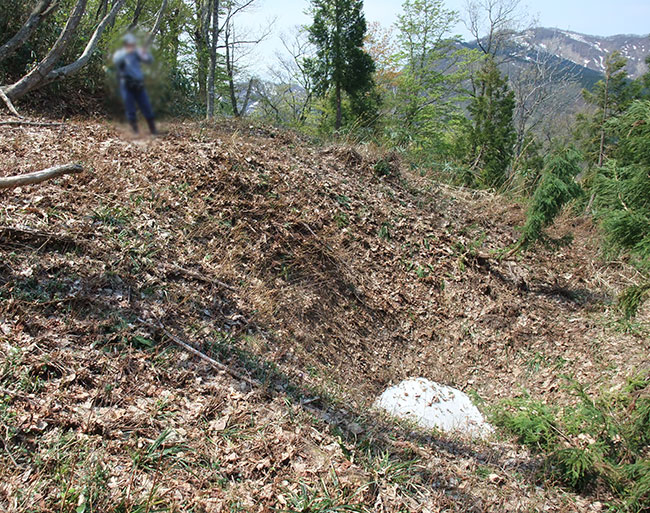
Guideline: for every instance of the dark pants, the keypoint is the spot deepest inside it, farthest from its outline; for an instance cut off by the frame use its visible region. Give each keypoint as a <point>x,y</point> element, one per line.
<point>136,98</point>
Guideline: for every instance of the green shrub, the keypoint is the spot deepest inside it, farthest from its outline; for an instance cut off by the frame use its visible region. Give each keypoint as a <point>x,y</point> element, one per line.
<point>556,188</point>
<point>602,439</point>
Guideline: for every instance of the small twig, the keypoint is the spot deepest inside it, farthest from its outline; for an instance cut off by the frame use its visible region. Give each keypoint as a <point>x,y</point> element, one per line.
<point>190,349</point>
<point>201,277</point>
<point>14,393</point>
<point>309,228</point>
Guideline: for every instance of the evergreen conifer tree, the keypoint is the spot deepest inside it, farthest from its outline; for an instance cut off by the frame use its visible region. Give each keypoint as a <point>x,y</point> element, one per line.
<point>622,197</point>
<point>611,96</point>
<point>341,65</point>
<point>492,135</point>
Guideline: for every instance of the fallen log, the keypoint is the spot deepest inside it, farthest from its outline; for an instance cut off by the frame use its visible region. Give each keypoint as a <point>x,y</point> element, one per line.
<point>39,176</point>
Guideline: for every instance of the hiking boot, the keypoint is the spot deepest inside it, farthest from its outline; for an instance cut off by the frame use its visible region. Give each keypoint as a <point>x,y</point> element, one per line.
<point>152,126</point>
<point>134,127</point>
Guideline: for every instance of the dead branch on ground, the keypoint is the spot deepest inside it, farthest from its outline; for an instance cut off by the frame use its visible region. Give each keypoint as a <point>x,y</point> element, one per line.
<point>39,176</point>
<point>25,122</point>
<point>190,349</point>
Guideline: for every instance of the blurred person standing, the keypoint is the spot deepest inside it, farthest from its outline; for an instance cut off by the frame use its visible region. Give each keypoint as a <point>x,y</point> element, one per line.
<point>128,60</point>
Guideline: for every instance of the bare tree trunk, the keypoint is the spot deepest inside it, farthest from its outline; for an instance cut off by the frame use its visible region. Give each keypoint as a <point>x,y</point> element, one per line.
<point>136,15</point>
<point>214,34</point>
<point>337,77</point>
<point>42,9</point>
<point>203,66</point>
<point>339,111</point>
<point>230,65</point>
<point>43,68</point>
<point>202,41</point>
<point>102,8</point>
<point>247,97</point>
<point>601,149</point>
<point>39,176</point>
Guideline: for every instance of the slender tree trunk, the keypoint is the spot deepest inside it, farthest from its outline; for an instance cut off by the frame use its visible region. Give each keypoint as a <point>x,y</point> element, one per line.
<point>202,42</point>
<point>601,149</point>
<point>339,109</point>
<point>136,15</point>
<point>42,9</point>
<point>230,70</point>
<point>102,9</point>
<point>156,26</point>
<point>203,65</point>
<point>601,152</point>
<point>214,34</point>
<point>338,64</point>
<point>247,97</point>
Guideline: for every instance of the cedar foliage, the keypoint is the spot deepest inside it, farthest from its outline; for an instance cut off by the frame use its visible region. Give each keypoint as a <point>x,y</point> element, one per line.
<point>602,440</point>
<point>611,96</point>
<point>622,198</point>
<point>341,64</point>
<point>492,135</point>
<point>623,186</point>
<point>556,188</point>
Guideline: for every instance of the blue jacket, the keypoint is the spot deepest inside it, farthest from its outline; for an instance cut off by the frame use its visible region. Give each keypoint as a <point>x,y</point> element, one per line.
<point>128,63</point>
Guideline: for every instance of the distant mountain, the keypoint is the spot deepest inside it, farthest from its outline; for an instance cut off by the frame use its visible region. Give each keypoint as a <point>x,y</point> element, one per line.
<point>587,51</point>
<point>580,56</point>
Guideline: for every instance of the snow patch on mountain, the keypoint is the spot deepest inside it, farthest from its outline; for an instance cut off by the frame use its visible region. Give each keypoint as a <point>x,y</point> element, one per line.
<point>585,50</point>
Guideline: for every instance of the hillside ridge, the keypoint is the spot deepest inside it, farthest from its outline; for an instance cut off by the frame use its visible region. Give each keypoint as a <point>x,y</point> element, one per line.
<point>325,273</point>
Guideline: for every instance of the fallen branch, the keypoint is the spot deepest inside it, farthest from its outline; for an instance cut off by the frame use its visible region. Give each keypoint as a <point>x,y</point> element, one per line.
<point>25,122</point>
<point>39,176</point>
<point>11,235</point>
<point>190,349</point>
<point>200,277</point>
<point>14,393</point>
<point>8,103</point>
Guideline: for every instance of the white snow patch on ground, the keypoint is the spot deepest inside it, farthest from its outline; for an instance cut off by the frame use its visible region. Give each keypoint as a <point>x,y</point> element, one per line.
<point>433,405</point>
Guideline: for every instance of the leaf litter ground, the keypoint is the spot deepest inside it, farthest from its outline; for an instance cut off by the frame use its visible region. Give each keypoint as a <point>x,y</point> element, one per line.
<point>326,274</point>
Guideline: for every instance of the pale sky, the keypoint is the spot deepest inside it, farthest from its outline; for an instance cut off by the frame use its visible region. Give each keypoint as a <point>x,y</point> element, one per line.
<point>594,17</point>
